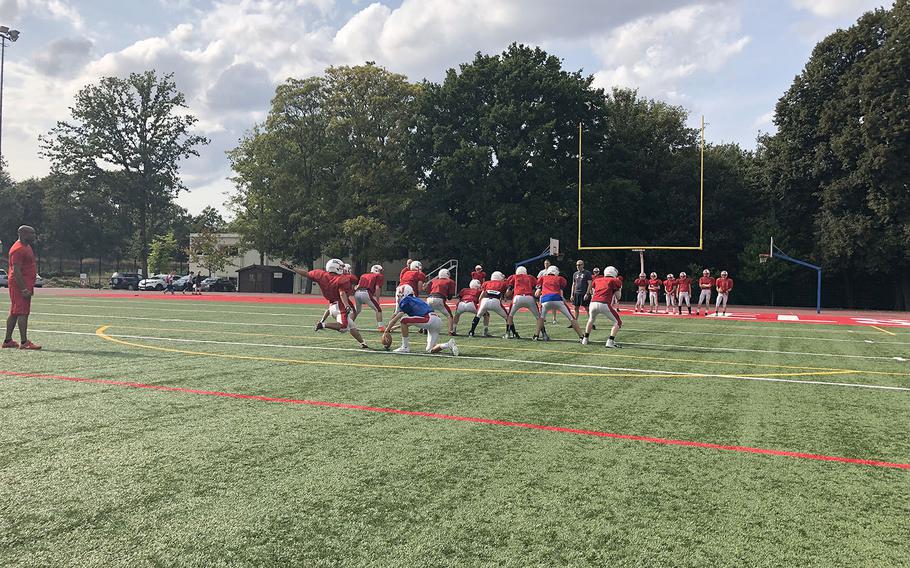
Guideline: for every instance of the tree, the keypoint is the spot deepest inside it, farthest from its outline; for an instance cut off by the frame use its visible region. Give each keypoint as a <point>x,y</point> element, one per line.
<point>163,250</point>
<point>133,127</point>
<point>207,251</point>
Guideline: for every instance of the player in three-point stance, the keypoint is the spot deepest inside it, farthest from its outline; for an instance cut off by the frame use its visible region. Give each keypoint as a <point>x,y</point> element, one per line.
<point>654,284</point>
<point>724,285</point>
<point>368,291</point>
<point>440,289</point>
<point>670,293</point>
<point>336,288</point>
<point>412,311</point>
<point>492,292</point>
<point>522,285</point>
<point>705,284</point>
<point>602,292</point>
<point>551,299</point>
<point>642,284</point>
<point>412,275</point>
<point>468,300</point>
<point>683,292</point>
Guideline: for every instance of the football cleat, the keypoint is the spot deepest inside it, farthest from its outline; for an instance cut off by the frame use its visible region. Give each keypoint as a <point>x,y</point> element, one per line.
<point>10,344</point>
<point>28,345</point>
<point>319,326</point>
<point>453,348</point>
<point>584,340</point>
<point>403,349</point>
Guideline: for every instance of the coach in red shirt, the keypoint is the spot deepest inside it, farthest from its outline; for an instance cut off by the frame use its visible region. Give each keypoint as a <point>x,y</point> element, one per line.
<point>23,270</point>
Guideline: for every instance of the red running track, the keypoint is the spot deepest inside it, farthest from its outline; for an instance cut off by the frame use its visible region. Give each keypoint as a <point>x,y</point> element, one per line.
<point>487,421</point>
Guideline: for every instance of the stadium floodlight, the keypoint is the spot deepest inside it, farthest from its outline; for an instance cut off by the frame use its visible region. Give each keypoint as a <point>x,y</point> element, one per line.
<point>12,36</point>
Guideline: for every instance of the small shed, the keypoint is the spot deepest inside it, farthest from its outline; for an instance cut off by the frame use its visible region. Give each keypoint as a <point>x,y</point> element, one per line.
<point>265,279</point>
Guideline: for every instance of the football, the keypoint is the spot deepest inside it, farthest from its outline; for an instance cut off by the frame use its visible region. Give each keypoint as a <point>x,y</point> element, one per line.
<point>386,341</point>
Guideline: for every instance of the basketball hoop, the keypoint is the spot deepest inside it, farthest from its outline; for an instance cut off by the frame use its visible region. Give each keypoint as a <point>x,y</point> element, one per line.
<point>763,258</point>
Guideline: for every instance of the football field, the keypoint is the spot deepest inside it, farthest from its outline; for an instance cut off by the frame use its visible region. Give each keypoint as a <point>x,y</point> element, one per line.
<point>205,433</point>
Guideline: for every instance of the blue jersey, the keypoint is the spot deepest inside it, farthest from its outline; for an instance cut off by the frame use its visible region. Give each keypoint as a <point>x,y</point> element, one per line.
<point>414,307</point>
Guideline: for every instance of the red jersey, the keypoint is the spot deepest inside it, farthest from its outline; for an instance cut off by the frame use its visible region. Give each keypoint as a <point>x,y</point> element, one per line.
<point>494,288</point>
<point>469,295</point>
<point>705,282</point>
<point>24,256</point>
<point>328,283</point>
<point>684,284</point>
<point>603,288</point>
<point>642,283</point>
<point>412,278</point>
<point>353,279</point>
<point>479,275</point>
<point>552,285</point>
<point>522,284</point>
<point>370,281</point>
<point>670,285</point>
<point>654,284</point>
<point>724,284</point>
<point>443,287</point>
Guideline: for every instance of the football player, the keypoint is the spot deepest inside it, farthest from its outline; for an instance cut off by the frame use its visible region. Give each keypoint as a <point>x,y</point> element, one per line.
<point>602,291</point>
<point>468,299</point>
<point>369,289</point>
<point>412,311</point>
<point>670,293</point>
<point>551,299</point>
<point>412,275</point>
<point>654,284</point>
<point>442,288</point>
<point>336,288</point>
<point>491,296</point>
<point>683,292</point>
<point>479,274</point>
<point>724,285</point>
<point>523,286</point>
<point>541,274</point>
<point>706,284</point>
<point>642,284</point>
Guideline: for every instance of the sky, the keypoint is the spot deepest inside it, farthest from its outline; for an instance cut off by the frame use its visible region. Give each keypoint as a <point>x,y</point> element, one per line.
<point>729,60</point>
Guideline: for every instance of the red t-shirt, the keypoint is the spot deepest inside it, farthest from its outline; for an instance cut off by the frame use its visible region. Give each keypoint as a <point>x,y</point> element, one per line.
<point>654,284</point>
<point>370,281</point>
<point>328,283</point>
<point>479,275</point>
<point>24,256</point>
<point>670,285</point>
<point>642,283</point>
<point>724,284</point>
<point>412,278</point>
<point>444,287</point>
<point>552,285</point>
<point>494,288</point>
<point>705,282</point>
<point>603,288</point>
<point>684,284</point>
<point>469,295</point>
<point>522,284</point>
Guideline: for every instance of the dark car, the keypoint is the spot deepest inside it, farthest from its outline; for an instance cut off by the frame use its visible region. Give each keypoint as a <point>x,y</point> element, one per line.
<point>125,281</point>
<point>214,284</point>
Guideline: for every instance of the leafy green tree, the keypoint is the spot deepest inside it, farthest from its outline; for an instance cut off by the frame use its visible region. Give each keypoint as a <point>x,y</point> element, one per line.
<point>134,129</point>
<point>163,250</point>
<point>207,251</point>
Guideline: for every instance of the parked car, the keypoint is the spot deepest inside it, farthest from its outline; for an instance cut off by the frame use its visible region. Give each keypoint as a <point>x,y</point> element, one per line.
<point>4,280</point>
<point>215,284</point>
<point>125,281</point>
<point>154,282</point>
<point>183,283</point>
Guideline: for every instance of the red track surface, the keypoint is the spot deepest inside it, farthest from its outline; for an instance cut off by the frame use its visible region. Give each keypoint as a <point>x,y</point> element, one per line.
<point>486,421</point>
<point>743,313</point>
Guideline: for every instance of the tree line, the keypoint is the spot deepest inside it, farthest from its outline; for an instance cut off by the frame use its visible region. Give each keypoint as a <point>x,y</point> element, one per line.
<point>482,166</point>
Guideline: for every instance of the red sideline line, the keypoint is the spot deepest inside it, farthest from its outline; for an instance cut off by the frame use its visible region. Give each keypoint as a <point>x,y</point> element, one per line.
<point>560,429</point>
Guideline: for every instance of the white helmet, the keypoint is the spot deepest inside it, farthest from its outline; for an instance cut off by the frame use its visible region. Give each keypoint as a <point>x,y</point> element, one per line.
<point>347,268</point>
<point>415,265</point>
<point>444,274</point>
<point>682,274</point>
<point>335,266</point>
<point>376,269</point>
<point>642,275</point>
<point>521,270</point>
<point>478,267</point>
<point>723,272</point>
<point>497,276</point>
<point>670,276</point>
<point>706,272</point>
<point>611,271</point>
<point>553,270</point>
<point>475,284</point>
<point>404,290</point>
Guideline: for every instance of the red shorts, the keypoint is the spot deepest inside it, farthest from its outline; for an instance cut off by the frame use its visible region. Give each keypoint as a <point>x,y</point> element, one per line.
<point>19,304</point>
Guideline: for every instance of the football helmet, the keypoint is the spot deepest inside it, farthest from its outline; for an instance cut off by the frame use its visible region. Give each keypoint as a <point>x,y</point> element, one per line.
<point>335,266</point>
<point>611,271</point>
<point>415,265</point>
<point>475,284</point>
<point>404,290</point>
<point>497,276</point>
<point>444,274</point>
<point>376,269</point>
<point>521,270</point>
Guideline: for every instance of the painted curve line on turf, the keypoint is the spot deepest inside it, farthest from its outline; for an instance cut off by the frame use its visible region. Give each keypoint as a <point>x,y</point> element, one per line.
<point>475,420</point>
<point>101,332</point>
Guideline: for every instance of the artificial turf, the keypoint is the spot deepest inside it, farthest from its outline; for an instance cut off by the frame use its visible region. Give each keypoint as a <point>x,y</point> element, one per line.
<point>96,474</point>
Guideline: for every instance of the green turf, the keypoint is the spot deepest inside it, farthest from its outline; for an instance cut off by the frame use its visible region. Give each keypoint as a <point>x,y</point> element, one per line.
<point>100,475</point>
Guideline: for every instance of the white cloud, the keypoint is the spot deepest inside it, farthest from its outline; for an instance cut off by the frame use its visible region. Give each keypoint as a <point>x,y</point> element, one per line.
<point>838,8</point>
<point>655,53</point>
<point>13,10</point>
<point>766,119</point>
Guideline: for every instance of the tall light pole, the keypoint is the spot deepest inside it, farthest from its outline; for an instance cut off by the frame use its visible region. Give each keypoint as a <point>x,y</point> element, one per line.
<point>12,35</point>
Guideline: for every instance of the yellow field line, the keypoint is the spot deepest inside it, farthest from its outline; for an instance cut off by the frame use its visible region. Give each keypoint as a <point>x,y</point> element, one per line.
<point>882,330</point>
<point>100,332</point>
